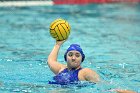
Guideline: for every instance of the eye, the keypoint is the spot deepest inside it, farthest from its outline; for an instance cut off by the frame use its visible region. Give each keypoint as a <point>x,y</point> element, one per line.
<point>70,54</point>
<point>77,55</point>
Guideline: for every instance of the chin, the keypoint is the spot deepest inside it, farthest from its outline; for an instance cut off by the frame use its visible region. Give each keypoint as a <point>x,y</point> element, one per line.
<point>74,66</point>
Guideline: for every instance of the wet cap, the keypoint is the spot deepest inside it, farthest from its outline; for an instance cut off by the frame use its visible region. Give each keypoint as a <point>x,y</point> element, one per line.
<point>77,48</point>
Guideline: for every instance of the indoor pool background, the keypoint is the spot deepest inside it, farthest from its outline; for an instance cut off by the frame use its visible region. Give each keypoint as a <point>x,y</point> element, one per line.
<point>108,33</point>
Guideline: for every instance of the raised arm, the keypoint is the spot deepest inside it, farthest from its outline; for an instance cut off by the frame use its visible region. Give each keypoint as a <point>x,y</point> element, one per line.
<point>54,65</point>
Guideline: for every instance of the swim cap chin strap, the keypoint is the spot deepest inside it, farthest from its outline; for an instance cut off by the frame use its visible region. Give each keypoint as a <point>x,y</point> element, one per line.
<point>77,48</point>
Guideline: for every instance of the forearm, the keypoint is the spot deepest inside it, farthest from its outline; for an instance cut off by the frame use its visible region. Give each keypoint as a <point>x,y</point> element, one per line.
<point>54,65</point>
<point>54,53</point>
<point>125,91</point>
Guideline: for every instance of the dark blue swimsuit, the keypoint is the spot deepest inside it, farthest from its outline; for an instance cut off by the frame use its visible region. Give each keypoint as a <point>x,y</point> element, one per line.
<point>66,77</point>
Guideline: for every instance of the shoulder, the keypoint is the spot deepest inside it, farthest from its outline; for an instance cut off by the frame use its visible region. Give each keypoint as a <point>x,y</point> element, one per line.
<point>89,75</point>
<point>62,68</point>
<point>87,70</point>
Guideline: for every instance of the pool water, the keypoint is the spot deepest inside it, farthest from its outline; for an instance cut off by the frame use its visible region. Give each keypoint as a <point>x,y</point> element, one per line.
<point>108,33</point>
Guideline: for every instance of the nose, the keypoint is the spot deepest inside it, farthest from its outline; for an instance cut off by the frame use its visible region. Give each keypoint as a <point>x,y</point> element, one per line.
<point>73,57</point>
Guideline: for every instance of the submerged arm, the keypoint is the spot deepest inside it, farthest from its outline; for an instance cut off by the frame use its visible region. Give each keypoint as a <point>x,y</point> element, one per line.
<point>124,91</point>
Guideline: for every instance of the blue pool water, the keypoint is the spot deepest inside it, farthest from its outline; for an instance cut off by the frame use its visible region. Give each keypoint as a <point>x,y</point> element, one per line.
<point>108,33</point>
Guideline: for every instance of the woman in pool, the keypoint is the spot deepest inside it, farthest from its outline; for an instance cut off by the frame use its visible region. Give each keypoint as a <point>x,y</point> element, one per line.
<point>72,72</point>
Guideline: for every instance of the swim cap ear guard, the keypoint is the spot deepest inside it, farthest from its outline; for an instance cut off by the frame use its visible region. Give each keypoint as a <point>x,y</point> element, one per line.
<point>77,48</point>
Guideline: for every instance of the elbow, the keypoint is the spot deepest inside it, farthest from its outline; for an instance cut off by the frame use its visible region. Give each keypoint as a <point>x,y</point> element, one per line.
<point>49,61</point>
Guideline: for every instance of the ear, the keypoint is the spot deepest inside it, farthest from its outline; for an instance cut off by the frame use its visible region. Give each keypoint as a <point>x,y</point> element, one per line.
<point>65,56</point>
<point>83,57</point>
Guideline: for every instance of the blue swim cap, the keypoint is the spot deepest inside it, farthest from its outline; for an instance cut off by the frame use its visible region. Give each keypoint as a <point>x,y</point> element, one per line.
<point>77,48</point>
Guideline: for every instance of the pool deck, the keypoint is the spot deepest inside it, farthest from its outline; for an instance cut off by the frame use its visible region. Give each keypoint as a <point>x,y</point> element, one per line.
<point>50,2</point>
<point>25,3</point>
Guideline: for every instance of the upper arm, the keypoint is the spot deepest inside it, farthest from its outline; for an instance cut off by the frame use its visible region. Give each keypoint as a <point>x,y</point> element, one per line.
<point>91,76</point>
<point>55,66</point>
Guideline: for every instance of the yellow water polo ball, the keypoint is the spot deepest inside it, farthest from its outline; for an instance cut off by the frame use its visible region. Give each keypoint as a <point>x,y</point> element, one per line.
<point>60,29</point>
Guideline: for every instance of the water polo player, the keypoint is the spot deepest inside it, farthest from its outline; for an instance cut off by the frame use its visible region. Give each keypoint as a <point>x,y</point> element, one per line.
<point>72,72</point>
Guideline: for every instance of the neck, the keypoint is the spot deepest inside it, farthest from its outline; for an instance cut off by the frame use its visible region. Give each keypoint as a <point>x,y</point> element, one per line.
<point>74,68</point>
